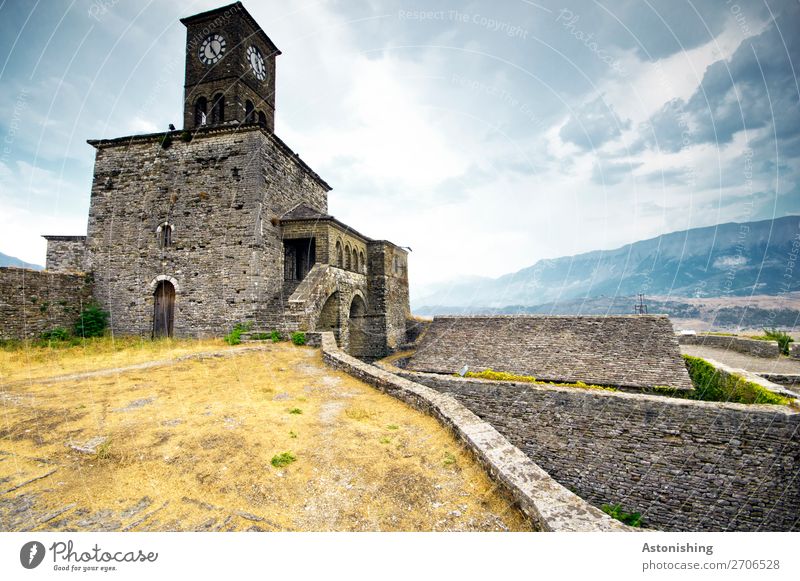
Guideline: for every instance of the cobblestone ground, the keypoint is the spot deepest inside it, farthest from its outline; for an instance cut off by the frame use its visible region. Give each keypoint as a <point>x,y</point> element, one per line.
<point>742,361</point>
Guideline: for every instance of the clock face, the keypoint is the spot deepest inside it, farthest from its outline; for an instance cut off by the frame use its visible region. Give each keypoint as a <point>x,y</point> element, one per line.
<point>212,49</point>
<point>257,63</point>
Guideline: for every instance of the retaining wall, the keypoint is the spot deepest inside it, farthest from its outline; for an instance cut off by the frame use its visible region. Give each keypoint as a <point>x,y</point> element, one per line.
<point>549,505</point>
<point>685,465</point>
<point>753,347</point>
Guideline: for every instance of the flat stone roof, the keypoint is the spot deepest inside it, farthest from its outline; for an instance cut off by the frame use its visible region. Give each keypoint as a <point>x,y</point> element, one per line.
<point>626,351</point>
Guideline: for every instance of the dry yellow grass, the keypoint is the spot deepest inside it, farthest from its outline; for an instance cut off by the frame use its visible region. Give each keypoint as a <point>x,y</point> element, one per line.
<point>190,447</point>
<point>39,362</point>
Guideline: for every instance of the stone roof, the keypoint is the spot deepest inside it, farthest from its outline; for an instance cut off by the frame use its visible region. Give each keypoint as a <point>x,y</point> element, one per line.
<point>625,351</point>
<point>304,212</point>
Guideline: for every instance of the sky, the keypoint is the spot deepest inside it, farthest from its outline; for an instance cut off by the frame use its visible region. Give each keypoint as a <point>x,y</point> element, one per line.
<point>483,135</point>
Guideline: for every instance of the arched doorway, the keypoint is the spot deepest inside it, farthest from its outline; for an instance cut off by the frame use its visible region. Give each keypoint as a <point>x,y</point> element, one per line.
<point>164,310</point>
<point>329,315</point>
<point>357,328</point>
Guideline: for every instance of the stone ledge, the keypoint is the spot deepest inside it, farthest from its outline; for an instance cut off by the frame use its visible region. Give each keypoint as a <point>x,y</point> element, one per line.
<point>754,347</point>
<point>549,505</point>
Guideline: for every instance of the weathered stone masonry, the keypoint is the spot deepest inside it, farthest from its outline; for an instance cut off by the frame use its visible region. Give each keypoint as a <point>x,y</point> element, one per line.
<point>684,465</point>
<point>33,302</point>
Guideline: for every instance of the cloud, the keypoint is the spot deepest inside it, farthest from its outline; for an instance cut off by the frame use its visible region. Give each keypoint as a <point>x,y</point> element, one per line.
<point>592,125</point>
<point>754,89</point>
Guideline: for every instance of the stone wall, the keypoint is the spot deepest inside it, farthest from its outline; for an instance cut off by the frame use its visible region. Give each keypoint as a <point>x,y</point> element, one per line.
<point>222,193</point>
<point>66,253</point>
<point>550,506</point>
<point>794,350</point>
<point>32,301</point>
<point>685,465</point>
<point>753,347</point>
<point>629,351</point>
<point>388,291</point>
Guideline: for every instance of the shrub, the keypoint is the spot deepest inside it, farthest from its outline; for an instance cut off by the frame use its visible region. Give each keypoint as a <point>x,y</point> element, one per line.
<point>92,322</point>
<point>235,336</point>
<point>186,136</point>
<point>283,459</point>
<point>633,519</point>
<point>299,338</point>
<point>57,334</point>
<point>166,141</point>
<point>781,337</point>
<point>711,385</point>
<point>276,337</point>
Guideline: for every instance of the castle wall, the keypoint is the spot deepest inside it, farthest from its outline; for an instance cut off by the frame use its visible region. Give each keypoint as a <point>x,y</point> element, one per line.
<point>221,193</point>
<point>32,301</point>
<point>685,465</point>
<point>66,253</point>
<point>388,292</point>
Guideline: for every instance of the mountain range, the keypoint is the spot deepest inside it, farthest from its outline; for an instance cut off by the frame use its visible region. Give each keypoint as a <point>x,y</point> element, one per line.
<point>727,260</point>
<point>6,260</point>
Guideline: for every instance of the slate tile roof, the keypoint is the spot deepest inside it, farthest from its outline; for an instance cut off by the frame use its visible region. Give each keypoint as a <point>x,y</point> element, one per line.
<point>625,351</point>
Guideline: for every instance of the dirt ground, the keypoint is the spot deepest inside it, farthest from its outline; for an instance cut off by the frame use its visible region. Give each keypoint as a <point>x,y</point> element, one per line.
<point>191,446</point>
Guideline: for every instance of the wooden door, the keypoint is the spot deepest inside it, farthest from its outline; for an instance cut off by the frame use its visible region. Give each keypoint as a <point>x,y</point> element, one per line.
<point>164,313</point>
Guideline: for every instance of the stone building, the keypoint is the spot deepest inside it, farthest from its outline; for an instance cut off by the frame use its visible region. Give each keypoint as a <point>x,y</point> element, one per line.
<point>191,231</point>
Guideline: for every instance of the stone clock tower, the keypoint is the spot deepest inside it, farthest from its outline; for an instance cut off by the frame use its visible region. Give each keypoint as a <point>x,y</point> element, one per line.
<point>230,70</point>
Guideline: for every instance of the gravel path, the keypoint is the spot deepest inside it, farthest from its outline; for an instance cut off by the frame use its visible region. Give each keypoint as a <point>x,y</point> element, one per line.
<point>782,365</point>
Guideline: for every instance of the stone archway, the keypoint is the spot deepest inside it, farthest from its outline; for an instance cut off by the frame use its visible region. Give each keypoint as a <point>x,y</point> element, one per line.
<point>329,315</point>
<point>358,338</point>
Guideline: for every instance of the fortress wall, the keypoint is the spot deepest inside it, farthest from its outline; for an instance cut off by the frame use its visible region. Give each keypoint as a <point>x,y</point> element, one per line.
<point>32,301</point>
<point>631,351</point>
<point>753,347</point>
<point>685,465</point>
<point>550,506</point>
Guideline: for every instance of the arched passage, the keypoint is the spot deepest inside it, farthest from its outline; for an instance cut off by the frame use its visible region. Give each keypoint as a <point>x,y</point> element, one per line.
<point>164,309</point>
<point>329,315</point>
<point>357,326</point>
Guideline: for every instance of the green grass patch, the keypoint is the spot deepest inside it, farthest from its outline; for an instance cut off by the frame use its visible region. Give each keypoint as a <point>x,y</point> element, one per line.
<point>492,375</point>
<point>296,411</point>
<point>711,385</point>
<point>282,459</point>
<point>392,427</point>
<point>632,519</point>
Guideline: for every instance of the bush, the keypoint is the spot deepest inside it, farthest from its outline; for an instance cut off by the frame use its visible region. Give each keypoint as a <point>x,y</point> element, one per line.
<point>92,322</point>
<point>57,334</point>
<point>299,338</point>
<point>235,336</point>
<point>166,141</point>
<point>632,519</point>
<point>711,385</point>
<point>781,337</point>
<point>276,337</point>
<point>186,136</point>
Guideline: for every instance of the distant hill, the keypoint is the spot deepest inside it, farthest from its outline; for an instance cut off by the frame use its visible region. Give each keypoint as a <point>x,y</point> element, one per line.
<point>727,260</point>
<point>6,260</point>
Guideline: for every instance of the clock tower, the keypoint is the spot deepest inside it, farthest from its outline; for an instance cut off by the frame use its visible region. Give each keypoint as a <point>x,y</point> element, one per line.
<point>230,70</point>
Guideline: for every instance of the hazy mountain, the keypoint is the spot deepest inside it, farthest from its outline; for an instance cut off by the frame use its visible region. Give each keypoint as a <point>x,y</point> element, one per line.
<point>6,260</point>
<point>717,261</point>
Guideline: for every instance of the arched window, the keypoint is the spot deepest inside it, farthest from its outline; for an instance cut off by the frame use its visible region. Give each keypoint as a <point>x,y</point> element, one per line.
<point>164,235</point>
<point>200,111</point>
<point>262,119</point>
<point>347,257</point>
<point>218,109</point>
<point>363,263</point>
<point>249,112</point>
<point>339,259</point>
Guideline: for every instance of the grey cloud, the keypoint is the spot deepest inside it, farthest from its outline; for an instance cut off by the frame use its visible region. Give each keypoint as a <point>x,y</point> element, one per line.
<point>592,125</point>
